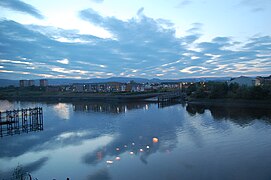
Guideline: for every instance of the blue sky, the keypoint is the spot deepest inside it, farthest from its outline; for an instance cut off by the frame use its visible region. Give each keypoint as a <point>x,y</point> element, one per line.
<point>151,39</point>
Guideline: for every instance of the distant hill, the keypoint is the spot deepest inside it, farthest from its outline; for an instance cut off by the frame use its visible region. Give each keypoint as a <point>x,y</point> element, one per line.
<point>6,82</point>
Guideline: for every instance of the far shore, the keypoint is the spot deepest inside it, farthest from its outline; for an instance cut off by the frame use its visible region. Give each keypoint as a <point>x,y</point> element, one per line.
<point>231,102</point>
<point>82,97</point>
<point>128,97</point>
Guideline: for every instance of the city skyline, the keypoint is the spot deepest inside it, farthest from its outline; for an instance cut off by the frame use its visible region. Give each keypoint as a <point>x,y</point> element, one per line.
<point>154,39</point>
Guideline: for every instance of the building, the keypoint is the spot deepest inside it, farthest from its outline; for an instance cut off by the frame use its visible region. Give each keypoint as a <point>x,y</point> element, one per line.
<point>243,81</point>
<point>263,81</point>
<point>115,87</point>
<point>23,83</point>
<point>102,87</point>
<point>171,85</point>
<point>79,87</point>
<point>135,87</point>
<point>31,83</point>
<point>92,87</point>
<point>43,82</point>
<point>26,83</point>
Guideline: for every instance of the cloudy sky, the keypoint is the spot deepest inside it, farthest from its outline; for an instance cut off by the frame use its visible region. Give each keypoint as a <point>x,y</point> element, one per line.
<point>140,38</point>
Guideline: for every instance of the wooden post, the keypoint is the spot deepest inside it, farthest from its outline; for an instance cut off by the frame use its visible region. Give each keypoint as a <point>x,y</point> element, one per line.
<point>19,120</point>
<point>16,121</point>
<point>41,118</point>
<point>1,134</point>
<point>30,119</point>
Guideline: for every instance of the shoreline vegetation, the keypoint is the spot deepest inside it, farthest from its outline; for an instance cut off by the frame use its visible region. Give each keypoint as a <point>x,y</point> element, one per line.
<point>229,95</point>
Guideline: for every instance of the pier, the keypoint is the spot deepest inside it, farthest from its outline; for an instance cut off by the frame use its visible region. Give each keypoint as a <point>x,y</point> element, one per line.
<point>21,121</point>
<point>171,96</point>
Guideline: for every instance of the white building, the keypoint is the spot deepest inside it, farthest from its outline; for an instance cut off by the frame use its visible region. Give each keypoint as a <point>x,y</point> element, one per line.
<point>243,81</point>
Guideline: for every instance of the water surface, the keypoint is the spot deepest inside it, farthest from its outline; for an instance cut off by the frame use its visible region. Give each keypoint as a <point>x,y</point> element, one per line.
<point>88,140</point>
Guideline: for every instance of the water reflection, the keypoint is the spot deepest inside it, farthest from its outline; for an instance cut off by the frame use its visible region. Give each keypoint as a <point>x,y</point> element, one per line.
<point>101,174</point>
<point>5,105</point>
<point>62,110</point>
<point>170,103</point>
<point>29,167</point>
<point>239,115</point>
<point>103,107</point>
<point>110,140</point>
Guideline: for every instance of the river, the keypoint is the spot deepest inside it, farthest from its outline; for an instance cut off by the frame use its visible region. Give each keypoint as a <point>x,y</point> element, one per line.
<point>140,140</point>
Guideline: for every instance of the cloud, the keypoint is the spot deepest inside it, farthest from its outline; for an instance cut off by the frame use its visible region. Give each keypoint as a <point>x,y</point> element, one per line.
<point>184,3</point>
<point>63,61</point>
<point>98,1</point>
<point>141,47</point>
<point>18,5</point>
<point>193,69</point>
<point>255,5</point>
<point>152,38</point>
<point>196,28</point>
<point>140,11</point>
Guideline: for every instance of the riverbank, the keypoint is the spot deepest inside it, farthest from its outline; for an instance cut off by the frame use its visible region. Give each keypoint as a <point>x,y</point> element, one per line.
<point>231,103</point>
<point>79,97</point>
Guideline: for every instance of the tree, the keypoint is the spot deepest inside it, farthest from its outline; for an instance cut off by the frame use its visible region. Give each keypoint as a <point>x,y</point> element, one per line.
<point>218,90</point>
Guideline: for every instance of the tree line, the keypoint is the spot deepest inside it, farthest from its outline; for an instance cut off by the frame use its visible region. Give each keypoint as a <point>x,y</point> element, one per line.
<point>217,90</point>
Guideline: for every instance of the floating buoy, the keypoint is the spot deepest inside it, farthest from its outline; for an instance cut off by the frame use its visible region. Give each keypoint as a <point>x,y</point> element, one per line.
<point>131,152</point>
<point>133,144</point>
<point>141,150</point>
<point>155,140</point>
<point>117,149</point>
<point>117,158</point>
<point>148,147</point>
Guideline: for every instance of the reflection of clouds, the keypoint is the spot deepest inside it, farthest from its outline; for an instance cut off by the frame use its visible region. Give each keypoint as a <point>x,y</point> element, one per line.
<point>30,167</point>
<point>138,141</point>
<point>67,138</point>
<point>133,149</point>
<point>5,105</point>
<point>67,135</point>
<point>64,157</point>
<point>63,110</point>
<point>101,174</point>
<point>112,151</point>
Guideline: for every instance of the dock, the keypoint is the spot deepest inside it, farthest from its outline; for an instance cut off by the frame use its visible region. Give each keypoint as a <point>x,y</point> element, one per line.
<point>21,121</point>
<point>171,96</point>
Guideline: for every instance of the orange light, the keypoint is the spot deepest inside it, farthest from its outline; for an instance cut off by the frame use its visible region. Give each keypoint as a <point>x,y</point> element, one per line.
<point>155,140</point>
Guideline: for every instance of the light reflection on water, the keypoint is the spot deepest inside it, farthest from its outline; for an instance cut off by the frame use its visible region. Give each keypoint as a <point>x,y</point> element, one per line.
<point>117,141</point>
<point>62,110</point>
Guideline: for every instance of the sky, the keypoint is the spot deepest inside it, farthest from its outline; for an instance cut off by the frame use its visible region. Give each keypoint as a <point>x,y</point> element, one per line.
<point>166,39</point>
